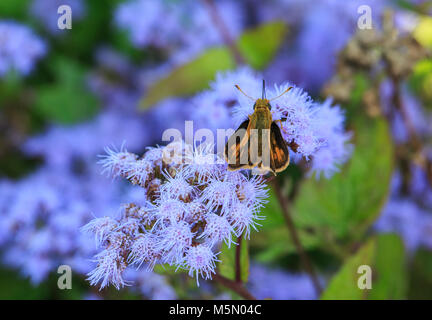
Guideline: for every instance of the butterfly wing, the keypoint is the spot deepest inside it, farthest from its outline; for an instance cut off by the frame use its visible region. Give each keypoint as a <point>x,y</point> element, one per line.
<point>236,149</point>
<point>279,155</point>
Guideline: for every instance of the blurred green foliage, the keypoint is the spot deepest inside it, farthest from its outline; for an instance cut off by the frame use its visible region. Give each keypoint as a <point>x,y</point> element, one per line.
<point>66,100</point>
<point>385,255</point>
<point>334,214</point>
<point>228,256</point>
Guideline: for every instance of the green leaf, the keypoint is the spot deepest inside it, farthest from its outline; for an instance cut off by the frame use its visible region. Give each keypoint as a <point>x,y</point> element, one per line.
<point>420,282</point>
<point>16,9</point>
<point>66,100</point>
<point>191,77</point>
<point>423,31</point>
<point>228,261</point>
<point>273,240</point>
<point>384,254</point>
<point>344,206</point>
<point>421,81</point>
<point>257,46</point>
<point>165,269</point>
<point>333,214</point>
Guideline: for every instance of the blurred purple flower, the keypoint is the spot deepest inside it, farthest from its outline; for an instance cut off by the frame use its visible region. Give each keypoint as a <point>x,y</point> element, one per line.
<point>20,48</point>
<point>324,27</point>
<point>406,218</point>
<point>187,27</point>
<point>415,113</point>
<point>266,283</point>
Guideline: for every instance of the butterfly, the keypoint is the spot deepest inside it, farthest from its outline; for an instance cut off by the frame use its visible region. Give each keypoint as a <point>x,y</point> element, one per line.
<point>258,142</point>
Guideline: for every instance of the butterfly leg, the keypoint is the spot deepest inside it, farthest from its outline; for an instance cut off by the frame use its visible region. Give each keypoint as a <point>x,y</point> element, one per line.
<point>281,126</point>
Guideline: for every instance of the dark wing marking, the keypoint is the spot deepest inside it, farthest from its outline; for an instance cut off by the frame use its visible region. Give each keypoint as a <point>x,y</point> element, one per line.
<point>279,156</point>
<point>236,149</point>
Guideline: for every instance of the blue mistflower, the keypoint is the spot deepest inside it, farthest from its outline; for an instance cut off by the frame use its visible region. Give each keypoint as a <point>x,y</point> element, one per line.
<point>269,283</point>
<point>172,210</point>
<point>110,266</point>
<point>200,259</point>
<point>174,240</point>
<point>144,249</point>
<point>310,129</point>
<point>201,163</point>
<point>188,210</point>
<point>187,29</point>
<point>243,217</point>
<point>217,229</point>
<point>253,192</point>
<point>177,187</point>
<point>117,163</point>
<point>100,227</point>
<point>336,148</point>
<point>220,193</point>
<point>20,48</point>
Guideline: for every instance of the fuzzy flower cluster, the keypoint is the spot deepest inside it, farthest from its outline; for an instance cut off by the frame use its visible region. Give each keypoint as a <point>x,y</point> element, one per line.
<point>20,48</point>
<point>192,205</point>
<point>187,27</point>
<point>41,230</point>
<point>314,131</point>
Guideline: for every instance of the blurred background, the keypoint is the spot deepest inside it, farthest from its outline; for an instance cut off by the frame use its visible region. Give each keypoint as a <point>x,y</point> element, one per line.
<point>128,70</point>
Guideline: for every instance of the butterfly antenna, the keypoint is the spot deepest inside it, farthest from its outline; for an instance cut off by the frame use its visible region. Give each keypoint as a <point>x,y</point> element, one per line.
<point>238,88</point>
<point>281,94</point>
<point>263,90</point>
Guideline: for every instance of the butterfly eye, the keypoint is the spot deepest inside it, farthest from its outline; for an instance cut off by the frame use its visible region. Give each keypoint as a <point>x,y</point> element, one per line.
<point>269,106</point>
<point>254,105</point>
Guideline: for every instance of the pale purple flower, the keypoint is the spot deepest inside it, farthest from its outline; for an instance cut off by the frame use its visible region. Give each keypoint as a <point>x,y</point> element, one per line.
<point>243,218</point>
<point>217,230</point>
<point>100,227</point>
<point>175,240</point>
<point>406,218</point>
<point>117,163</point>
<point>169,209</point>
<point>144,249</point>
<point>201,162</point>
<point>186,213</point>
<point>200,259</point>
<point>110,266</point>
<point>177,187</point>
<point>220,193</point>
<point>336,149</point>
<point>276,284</point>
<point>20,48</point>
<point>187,27</point>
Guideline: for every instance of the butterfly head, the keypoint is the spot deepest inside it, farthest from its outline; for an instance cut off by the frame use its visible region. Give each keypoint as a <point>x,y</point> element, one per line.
<point>262,104</point>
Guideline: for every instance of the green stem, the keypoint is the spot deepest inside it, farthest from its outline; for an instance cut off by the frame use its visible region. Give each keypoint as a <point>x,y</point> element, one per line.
<point>295,238</point>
